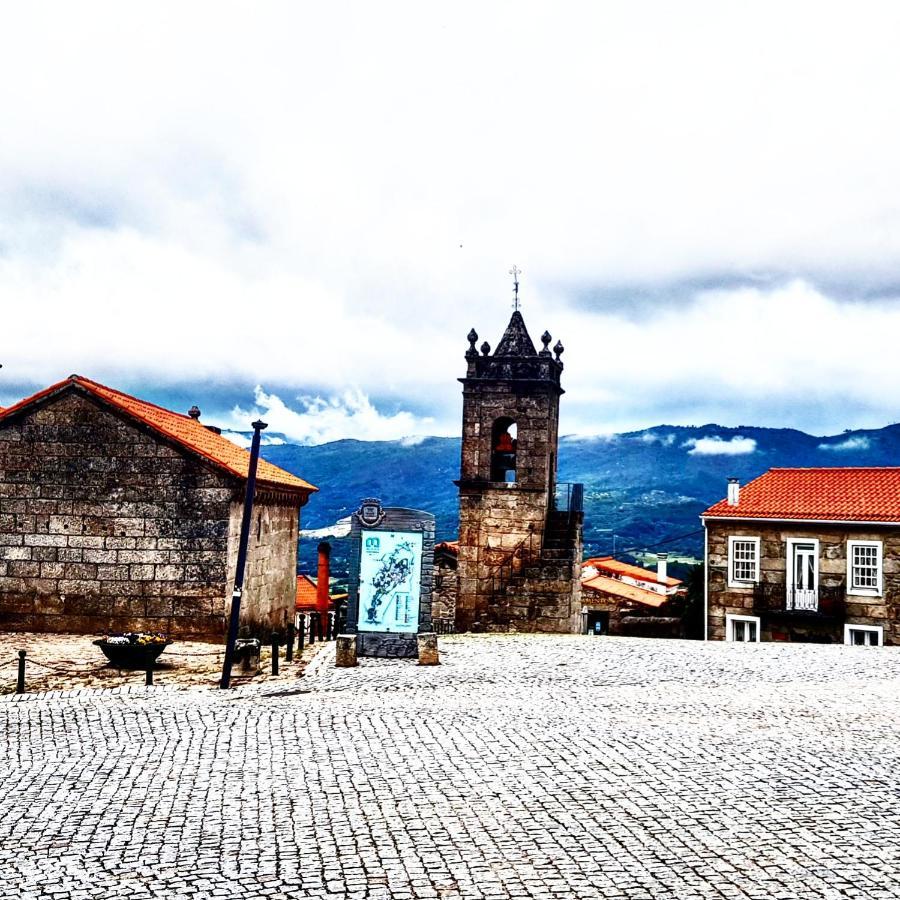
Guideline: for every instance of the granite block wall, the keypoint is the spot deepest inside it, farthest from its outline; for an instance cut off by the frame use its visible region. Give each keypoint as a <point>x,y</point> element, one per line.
<point>832,561</point>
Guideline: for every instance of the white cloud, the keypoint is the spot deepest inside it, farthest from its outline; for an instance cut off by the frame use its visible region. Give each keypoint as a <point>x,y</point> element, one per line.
<point>851,443</point>
<point>652,438</point>
<point>716,446</point>
<point>284,203</point>
<point>319,420</point>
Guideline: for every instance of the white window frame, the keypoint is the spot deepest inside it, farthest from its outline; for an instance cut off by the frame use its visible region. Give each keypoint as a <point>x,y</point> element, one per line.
<point>729,627</point>
<point>875,629</point>
<point>732,540</point>
<point>791,543</point>
<point>865,592</point>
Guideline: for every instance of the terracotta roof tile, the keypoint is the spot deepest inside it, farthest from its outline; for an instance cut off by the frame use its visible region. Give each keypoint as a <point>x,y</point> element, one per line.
<point>606,585</point>
<point>184,430</point>
<point>616,567</point>
<point>306,593</point>
<point>858,494</point>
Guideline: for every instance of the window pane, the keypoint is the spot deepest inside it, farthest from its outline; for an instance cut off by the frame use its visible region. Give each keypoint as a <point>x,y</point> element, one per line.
<point>744,560</point>
<point>865,566</point>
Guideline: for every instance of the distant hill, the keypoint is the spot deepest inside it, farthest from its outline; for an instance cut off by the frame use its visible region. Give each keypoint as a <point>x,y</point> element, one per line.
<point>643,486</point>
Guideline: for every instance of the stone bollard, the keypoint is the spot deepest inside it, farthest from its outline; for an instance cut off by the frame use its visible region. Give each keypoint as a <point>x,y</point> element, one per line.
<point>345,651</point>
<point>428,649</point>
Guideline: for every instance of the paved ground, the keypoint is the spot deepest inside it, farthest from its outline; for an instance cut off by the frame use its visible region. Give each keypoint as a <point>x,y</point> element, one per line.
<point>523,767</point>
<point>66,661</point>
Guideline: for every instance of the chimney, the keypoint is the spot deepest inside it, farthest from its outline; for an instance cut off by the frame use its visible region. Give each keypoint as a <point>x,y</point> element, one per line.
<point>734,491</point>
<point>194,412</point>
<point>323,578</point>
<point>662,567</point>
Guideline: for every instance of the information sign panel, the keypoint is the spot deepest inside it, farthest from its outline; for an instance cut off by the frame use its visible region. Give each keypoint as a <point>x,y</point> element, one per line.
<point>390,571</point>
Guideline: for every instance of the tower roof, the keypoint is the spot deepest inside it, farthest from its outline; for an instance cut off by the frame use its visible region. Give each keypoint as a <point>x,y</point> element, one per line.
<point>516,341</point>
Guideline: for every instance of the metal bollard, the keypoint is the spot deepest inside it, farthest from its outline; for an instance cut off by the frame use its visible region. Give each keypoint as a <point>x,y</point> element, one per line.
<point>301,634</point>
<point>274,653</point>
<point>20,679</point>
<point>289,651</point>
<point>149,679</point>
<point>313,619</point>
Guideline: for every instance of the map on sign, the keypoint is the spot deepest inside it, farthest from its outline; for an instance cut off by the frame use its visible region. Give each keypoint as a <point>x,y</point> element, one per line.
<point>389,570</point>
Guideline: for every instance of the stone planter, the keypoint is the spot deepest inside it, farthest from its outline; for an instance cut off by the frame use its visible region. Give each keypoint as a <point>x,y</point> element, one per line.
<point>134,650</point>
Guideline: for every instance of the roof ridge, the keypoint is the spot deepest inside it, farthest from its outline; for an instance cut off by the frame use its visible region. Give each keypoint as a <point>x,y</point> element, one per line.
<point>828,469</point>
<point>83,380</point>
<point>184,431</point>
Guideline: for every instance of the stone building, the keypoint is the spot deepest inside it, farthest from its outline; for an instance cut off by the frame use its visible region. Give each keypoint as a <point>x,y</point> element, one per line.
<point>118,515</point>
<point>623,599</point>
<point>520,533</point>
<point>807,555</point>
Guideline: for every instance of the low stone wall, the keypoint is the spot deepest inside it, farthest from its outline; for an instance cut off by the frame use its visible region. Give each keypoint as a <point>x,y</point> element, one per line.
<point>651,626</point>
<point>387,646</point>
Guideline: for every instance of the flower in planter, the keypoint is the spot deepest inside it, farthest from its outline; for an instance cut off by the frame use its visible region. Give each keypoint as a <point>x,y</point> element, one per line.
<point>146,639</point>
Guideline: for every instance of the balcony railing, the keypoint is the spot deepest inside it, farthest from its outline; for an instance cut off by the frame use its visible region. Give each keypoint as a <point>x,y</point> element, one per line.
<point>569,497</point>
<point>826,600</point>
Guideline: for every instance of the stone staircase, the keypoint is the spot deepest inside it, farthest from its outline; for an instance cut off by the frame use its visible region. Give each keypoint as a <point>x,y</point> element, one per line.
<point>544,593</point>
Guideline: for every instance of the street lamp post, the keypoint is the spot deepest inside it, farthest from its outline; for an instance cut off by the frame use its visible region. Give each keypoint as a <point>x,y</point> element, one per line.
<point>234,619</point>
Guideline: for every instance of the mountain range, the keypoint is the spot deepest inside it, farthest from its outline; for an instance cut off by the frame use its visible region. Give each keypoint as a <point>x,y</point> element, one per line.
<point>643,489</point>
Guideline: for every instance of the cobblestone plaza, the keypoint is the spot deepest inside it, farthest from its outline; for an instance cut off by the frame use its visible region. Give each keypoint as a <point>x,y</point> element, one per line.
<point>522,767</point>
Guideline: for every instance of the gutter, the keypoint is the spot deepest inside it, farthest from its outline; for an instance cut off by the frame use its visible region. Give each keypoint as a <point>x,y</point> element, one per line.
<point>704,520</point>
<point>705,582</point>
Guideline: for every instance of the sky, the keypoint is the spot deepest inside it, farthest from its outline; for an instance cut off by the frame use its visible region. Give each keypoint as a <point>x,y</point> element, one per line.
<point>298,210</point>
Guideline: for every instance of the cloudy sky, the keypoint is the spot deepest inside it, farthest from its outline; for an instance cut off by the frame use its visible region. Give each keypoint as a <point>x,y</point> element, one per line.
<point>300,209</point>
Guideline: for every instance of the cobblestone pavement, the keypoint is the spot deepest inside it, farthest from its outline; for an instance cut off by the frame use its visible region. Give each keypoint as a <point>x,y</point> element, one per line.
<point>522,767</point>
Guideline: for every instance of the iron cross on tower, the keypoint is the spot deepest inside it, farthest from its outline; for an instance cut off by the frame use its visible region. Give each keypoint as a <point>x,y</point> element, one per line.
<point>515,271</point>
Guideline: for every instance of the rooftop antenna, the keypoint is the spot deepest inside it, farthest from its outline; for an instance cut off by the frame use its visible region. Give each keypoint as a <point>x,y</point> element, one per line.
<point>515,271</point>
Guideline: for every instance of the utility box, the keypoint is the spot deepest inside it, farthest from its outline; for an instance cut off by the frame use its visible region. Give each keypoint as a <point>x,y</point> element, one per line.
<point>391,568</point>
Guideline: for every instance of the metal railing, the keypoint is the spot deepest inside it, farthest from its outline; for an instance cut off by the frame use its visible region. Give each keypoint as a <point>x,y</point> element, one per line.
<point>443,626</point>
<point>508,567</point>
<point>568,497</point>
<point>825,600</point>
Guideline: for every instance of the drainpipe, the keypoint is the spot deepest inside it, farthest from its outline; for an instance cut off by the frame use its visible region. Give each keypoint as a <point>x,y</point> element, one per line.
<point>323,582</point>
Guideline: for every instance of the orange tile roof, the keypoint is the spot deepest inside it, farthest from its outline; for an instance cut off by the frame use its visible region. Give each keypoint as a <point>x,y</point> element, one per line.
<point>606,585</point>
<point>452,547</point>
<point>306,593</point>
<point>184,430</point>
<point>617,567</point>
<point>852,494</point>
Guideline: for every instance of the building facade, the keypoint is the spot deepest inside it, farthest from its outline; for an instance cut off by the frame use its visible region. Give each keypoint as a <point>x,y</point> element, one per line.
<point>619,598</point>
<point>807,555</point>
<point>118,515</point>
<point>520,536</point>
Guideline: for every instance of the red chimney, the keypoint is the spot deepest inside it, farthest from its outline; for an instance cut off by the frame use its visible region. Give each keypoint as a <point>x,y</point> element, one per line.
<point>323,580</point>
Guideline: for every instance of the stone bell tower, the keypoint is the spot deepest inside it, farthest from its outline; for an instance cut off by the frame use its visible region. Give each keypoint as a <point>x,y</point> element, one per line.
<point>520,540</point>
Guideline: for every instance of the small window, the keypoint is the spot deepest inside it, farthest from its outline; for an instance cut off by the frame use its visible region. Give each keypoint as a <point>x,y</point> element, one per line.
<point>864,635</point>
<point>864,568</point>
<point>742,629</point>
<point>743,561</point>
